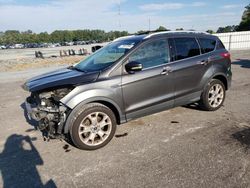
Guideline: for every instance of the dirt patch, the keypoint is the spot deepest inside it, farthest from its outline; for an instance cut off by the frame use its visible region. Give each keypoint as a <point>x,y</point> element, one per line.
<point>27,63</point>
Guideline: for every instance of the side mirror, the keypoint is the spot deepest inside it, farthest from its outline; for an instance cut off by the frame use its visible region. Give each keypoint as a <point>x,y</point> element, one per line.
<point>133,66</point>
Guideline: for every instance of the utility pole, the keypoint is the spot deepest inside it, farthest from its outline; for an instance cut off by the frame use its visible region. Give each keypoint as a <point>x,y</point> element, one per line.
<point>149,24</point>
<point>119,14</point>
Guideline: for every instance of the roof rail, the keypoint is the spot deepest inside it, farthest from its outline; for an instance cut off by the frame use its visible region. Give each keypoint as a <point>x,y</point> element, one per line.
<point>119,38</point>
<point>167,32</point>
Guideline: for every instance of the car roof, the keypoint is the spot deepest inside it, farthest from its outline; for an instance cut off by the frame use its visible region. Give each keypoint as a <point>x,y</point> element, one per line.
<point>176,33</point>
<point>141,37</point>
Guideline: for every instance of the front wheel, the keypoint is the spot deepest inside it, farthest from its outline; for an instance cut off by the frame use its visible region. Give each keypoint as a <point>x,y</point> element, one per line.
<point>92,126</point>
<point>213,95</point>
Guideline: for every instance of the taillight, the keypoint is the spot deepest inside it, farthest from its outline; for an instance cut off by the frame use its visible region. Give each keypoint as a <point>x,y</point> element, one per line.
<point>226,55</point>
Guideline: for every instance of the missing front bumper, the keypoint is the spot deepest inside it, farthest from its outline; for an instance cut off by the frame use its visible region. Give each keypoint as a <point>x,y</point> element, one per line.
<point>33,112</point>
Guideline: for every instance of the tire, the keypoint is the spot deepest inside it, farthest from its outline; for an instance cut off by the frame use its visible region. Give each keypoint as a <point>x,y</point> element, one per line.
<point>92,126</point>
<point>213,96</point>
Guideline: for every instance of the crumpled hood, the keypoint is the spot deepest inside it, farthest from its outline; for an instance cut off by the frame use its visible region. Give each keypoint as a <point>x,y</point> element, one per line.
<point>59,78</point>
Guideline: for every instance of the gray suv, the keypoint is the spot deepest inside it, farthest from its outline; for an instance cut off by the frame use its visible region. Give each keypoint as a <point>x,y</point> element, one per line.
<point>129,78</point>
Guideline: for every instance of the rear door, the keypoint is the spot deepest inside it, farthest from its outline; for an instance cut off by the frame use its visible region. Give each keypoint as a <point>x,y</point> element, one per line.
<point>152,89</point>
<point>190,66</point>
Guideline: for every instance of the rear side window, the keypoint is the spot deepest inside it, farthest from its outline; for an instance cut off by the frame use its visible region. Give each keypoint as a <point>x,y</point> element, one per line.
<point>207,45</point>
<point>186,47</point>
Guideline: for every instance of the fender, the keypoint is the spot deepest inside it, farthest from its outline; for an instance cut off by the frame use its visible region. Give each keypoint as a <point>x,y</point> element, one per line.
<point>83,98</point>
<point>214,71</point>
<point>215,75</point>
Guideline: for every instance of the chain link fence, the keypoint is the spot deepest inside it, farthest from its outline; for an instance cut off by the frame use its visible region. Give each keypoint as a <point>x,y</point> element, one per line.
<point>235,40</point>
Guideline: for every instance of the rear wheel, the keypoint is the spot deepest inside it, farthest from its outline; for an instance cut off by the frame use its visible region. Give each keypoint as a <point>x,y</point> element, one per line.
<point>92,126</point>
<point>213,95</point>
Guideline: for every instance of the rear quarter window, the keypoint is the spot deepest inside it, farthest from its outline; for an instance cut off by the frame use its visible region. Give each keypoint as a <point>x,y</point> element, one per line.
<point>220,45</point>
<point>207,45</point>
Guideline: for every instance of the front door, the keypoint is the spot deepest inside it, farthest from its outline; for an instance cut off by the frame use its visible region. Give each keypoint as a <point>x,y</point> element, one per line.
<point>151,89</point>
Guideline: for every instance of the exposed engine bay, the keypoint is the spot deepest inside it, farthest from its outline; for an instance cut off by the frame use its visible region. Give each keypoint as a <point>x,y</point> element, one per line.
<point>46,108</point>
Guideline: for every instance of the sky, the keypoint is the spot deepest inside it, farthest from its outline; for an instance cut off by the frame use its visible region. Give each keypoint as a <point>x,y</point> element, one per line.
<point>50,15</point>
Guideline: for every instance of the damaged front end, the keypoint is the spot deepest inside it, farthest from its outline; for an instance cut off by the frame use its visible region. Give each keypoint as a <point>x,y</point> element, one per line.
<point>46,108</point>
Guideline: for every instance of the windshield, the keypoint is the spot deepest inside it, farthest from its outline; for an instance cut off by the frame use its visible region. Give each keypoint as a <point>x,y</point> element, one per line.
<point>106,56</point>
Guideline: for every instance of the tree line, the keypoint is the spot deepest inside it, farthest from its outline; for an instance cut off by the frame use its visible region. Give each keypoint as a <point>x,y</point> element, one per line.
<point>58,36</point>
<point>244,25</point>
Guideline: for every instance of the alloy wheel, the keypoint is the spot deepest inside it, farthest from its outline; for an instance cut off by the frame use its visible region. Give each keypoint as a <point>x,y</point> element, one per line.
<point>95,128</point>
<point>215,95</point>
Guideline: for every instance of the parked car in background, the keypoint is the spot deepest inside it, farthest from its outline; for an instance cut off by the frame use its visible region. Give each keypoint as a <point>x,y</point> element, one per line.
<point>3,47</point>
<point>53,45</point>
<point>18,46</point>
<point>129,78</point>
<point>95,48</point>
<point>31,45</point>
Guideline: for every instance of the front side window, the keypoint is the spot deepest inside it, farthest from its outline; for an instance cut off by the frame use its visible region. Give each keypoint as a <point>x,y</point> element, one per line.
<point>186,47</point>
<point>151,54</point>
<point>207,45</point>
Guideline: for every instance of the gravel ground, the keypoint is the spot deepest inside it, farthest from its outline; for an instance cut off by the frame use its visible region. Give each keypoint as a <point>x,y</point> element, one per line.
<point>17,54</point>
<point>12,60</point>
<point>181,147</point>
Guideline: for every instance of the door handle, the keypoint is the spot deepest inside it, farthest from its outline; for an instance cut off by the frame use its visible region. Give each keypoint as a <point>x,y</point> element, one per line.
<point>166,70</point>
<point>203,62</point>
